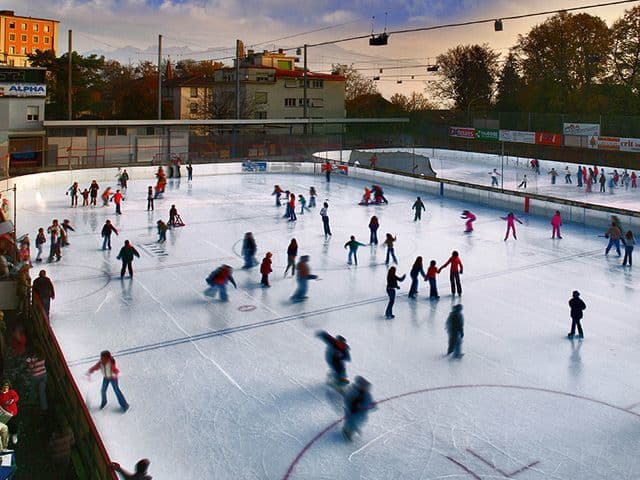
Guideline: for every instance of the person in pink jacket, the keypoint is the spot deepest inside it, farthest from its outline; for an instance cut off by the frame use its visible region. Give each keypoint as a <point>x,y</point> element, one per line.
<point>511,220</point>
<point>556,221</point>
<point>470,218</point>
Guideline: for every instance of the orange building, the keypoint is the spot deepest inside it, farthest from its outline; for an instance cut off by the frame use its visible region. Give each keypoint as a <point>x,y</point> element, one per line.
<point>20,36</point>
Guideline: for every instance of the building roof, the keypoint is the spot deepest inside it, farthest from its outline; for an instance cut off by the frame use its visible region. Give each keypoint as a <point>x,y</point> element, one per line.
<point>9,13</point>
<point>298,73</point>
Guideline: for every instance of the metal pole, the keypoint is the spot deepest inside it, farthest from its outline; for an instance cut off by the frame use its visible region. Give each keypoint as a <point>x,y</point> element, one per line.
<point>502,176</point>
<point>237,79</point>
<point>304,80</point>
<point>69,83</point>
<point>159,77</point>
<point>15,214</point>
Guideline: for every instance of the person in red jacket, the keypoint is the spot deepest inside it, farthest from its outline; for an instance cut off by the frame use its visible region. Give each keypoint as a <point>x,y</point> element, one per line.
<point>9,402</point>
<point>454,272</point>
<point>117,199</point>
<point>265,269</point>
<point>107,366</point>
<point>218,280</point>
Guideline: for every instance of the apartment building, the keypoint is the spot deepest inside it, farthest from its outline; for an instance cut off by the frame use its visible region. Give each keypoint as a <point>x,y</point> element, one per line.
<point>271,87</point>
<point>20,36</point>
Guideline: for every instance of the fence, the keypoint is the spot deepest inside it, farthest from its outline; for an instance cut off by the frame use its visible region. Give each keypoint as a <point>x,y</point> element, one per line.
<point>90,458</point>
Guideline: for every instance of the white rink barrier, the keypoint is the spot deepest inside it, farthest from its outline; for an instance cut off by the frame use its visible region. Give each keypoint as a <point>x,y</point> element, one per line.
<point>595,216</point>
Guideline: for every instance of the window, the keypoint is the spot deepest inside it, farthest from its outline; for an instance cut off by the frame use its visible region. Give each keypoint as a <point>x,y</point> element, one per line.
<point>12,24</point>
<point>317,83</point>
<point>35,39</point>
<point>193,107</point>
<point>24,26</point>
<point>46,28</point>
<point>36,27</point>
<point>289,102</point>
<point>23,38</point>
<point>261,98</point>
<point>261,115</point>
<point>290,83</point>
<point>46,40</point>
<point>301,102</point>
<point>33,113</point>
<point>284,64</point>
<point>263,77</point>
<point>150,131</point>
<point>102,132</point>
<point>23,50</point>
<point>12,50</point>
<point>193,92</point>
<point>317,102</point>
<point>12,37</point>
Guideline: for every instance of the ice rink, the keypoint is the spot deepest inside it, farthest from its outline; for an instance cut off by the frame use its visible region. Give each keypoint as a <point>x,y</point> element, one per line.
<point>238,390</point>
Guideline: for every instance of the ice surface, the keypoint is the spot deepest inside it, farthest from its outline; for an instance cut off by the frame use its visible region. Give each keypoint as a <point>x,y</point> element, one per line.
<point>221,393</point>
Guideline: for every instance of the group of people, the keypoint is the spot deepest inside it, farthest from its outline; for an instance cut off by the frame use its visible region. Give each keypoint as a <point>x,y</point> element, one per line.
<point>290,201</point>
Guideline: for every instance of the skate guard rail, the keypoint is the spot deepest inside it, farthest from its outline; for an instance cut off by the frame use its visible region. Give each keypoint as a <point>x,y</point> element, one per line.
<point>90,458</point>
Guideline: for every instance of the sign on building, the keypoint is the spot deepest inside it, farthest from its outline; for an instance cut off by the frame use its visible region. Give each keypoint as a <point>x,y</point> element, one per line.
<point>581,129</point>
<point>487,134</point>
<point>23,90</point>
<point>604,143</point>
<point>462,132</point>
<point>543,138</point>
<point>516,136</point>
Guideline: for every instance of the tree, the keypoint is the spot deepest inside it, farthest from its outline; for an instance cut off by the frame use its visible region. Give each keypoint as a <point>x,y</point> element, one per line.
<point>191,68</point>
<point>562,58</point>
<point>356,84</point>
<point>220,103</point>
<point>469,73</point>
<point>509,86</point>
<point>625,34</point>
<point>414,102</point>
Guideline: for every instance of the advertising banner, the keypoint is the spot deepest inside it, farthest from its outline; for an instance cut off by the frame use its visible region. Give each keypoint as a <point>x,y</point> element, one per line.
<point>462,132</point>
<point>604,143</point>
<point>23,90</point>
<point>554,139</point>
<point>581,129</point>
<point>487,134</point>
<point>630,144</point>
<point>516,136</point>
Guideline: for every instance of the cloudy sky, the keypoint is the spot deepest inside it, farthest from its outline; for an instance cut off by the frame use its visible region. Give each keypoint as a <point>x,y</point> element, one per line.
<point>207,29</point>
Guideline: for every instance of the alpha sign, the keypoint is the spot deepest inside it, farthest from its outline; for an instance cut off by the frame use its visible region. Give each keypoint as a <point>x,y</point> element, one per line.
<point>23,90</point>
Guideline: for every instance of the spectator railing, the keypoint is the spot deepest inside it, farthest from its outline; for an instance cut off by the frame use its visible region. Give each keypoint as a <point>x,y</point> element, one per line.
<point>89,456</point>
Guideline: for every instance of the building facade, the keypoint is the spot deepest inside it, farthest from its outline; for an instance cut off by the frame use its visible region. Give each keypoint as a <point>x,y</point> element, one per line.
<point>271,87</point>
<point>21,36</point>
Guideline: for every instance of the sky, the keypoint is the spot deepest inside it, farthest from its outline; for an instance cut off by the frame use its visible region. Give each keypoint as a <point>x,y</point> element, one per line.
<point>127,30</point>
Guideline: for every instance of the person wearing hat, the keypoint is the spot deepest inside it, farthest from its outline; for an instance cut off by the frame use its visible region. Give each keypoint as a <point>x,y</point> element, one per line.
<point>336,355</point>
<point>265,269</point>
<point>455,329</point>
<point>577,306</point>
<point>357,404</point>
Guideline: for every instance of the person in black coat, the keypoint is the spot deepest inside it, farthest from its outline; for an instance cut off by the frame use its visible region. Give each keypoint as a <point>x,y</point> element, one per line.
<point>336,355</point>
<point>249,249</point>
<point>392,286</point>
<point>577,306</point>
<point>455,329</point>
<point>126,255</point>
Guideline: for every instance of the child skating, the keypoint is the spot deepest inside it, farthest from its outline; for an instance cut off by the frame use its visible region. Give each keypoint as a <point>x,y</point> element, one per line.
<point>303,277</point>
<point>41,239</point>
<point>312,197</point>
<point>470,218</point>
<point>389,242</point>
<point>217,281</point>
<point>432,273</point>
<point>511,220</point>
<point>418,206</point>
<point>556,222</point>
<point>292,253</point>
<point>265,269</point>
<point>336,354</point>
<point>353,245</point>
<point>162,231</point>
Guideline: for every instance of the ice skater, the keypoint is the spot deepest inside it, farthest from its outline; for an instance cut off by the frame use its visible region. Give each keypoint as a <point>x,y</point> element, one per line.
<point>41,239</point>
<point>556,222</point>
<point>614,234</point>
<point>603,181</point>
<point>577,306</point>
<point>107,230</point>
<point>418,206</point>
<point>218,279</point>
<point>73,191</point>
<point>392,286</point>
<point>353,245</point>
<point>378,195</point>
<point>85,197</point>
<point>65,228</point>
<point>494,177</point>
<point>303,204</point>
<point>126,254</point>
<point>189,172</point>
<point>162,231</point>
<point>366,197</point>
<point>455,271</point>
<point>455,329</point>
<point>629,241</point>
<point>326,168</point>
<point>312,197</point>
<point>106,195</point>
<point>389,242</point>
<point>358,402</point>
<point>265,269</point>
<point>415,272</point>
<point>303,276</point>
<point>470,218</point>
<point>324,213</point>
<point>554,174</point>
<point>567,175</point>
<point>175,220</point>
<point>432,273</point>
<point>292,207</point>
<point>277,191</point>
<point>54,239</point>
<point>249,249</point>
<point>94,188</point>
<point>150,198</point>
<point>511,225</point>
<point>140,473</point>
<point>117,198</point>
<point>336,354</point>
<point>374,225</point>
<point>107,366</point>
<point>292,253</point>
<point>124,179</point>
<point>523,183</point>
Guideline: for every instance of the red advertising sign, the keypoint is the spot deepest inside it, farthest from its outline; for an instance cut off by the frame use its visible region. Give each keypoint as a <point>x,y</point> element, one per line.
<point>462,132</point>
<point>554,139</point>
